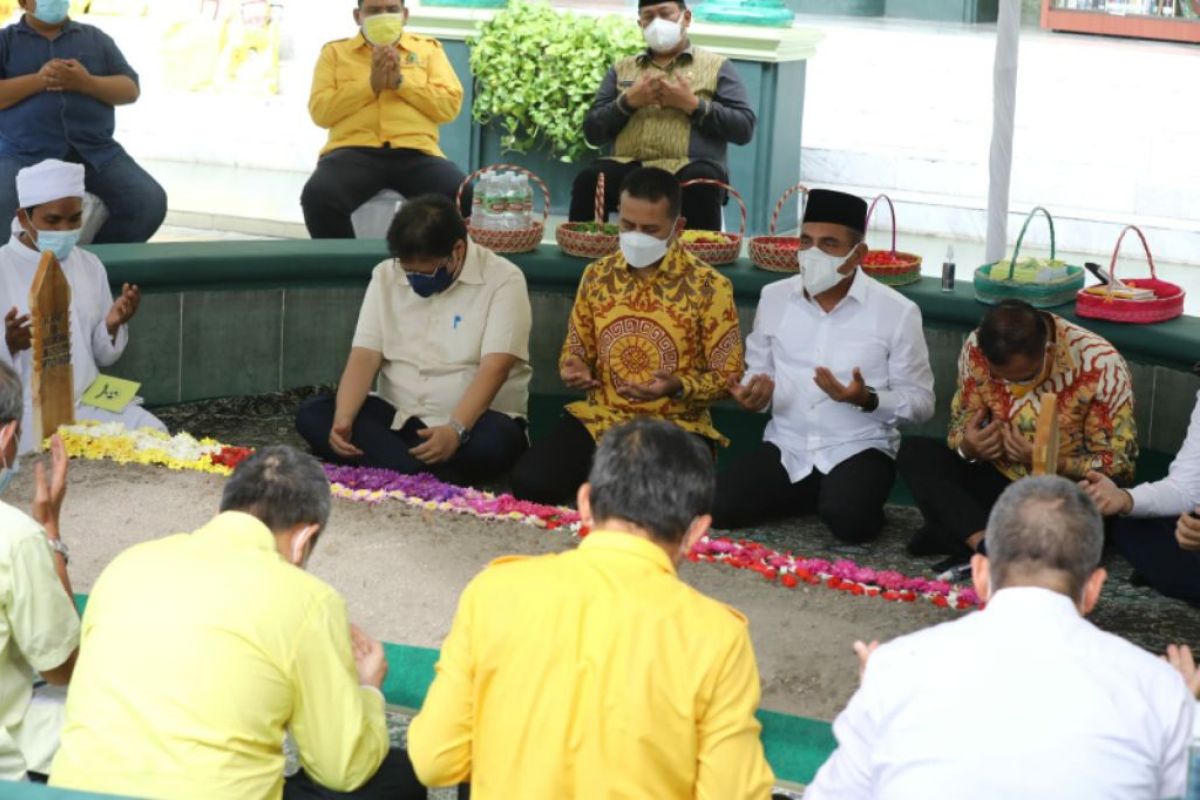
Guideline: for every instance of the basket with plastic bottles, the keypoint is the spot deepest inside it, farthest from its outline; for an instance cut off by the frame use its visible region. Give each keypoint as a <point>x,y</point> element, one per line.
<point>502,218</point>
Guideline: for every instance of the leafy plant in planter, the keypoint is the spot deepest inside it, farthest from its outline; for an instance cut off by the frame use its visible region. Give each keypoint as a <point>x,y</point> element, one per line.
<point>537,70</point>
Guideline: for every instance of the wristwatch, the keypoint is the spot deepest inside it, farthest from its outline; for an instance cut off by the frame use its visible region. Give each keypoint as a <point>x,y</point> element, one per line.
<point>464,433</point>
<point>59,547</point>
<point>872,400</point>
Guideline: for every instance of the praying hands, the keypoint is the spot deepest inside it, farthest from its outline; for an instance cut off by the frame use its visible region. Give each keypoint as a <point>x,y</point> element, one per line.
<point>17,333</point>
<point>663,384</point>
<point>755,395</point>
<point>655,90</point>
<point>385,69</point>
<point>854,393</point>
<point>123,309</point>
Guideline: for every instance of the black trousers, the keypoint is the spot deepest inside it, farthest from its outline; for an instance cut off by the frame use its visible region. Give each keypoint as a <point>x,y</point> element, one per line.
<point>701,204</point>
<point>1150,546</point>
<point>954,497</point>
<point>496,441</point>
<point>849,500</point>
<point>348,177</point>
<point>395,780</point>
<point>556,465</point>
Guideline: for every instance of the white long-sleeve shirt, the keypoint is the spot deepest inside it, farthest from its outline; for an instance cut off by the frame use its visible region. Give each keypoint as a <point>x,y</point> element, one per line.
<point>1179,492</point>
<point>1025,699</point>
<point>874,328</point>
<point>92,348</point>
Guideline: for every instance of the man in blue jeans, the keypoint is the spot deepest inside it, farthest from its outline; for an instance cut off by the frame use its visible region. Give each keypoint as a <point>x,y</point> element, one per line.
<point>60,82</point>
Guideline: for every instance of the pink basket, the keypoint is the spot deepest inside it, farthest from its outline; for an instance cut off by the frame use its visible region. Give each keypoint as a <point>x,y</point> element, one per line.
<point>521,240</point>
<point>777,253</point>
<point>724,252</point>
<point>1167,303</point>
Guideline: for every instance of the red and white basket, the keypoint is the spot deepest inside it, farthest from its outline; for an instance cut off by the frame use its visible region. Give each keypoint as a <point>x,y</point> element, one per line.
<point>729,248</point>
<point>576,240</point>
<point>778,253</point>
<point>520,240</point>
<point>907,268</point>
<point>1167,303</point>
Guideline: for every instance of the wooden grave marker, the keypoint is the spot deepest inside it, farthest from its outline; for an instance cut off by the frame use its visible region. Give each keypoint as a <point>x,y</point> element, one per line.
<point>1045,440</point>
<point>53,388</point>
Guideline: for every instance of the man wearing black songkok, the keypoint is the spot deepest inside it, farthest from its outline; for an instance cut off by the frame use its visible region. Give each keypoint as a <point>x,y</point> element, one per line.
<point>841,361</point>
<point>673,106</point>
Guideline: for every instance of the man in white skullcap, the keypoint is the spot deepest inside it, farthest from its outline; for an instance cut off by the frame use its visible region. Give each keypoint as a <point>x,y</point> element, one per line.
<point>49,219</point>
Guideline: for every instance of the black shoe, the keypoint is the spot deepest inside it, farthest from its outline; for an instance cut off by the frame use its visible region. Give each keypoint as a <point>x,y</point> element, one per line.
<point>1138,579</point>
<point>929,541</point>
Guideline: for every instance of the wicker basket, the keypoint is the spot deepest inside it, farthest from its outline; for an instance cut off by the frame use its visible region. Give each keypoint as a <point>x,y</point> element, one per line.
<point>777,253</point>
<point>1167,303</point>
<point>521,240</point>
<point>724,252</point>
<point>1040,295</point>
<point>574,241</point>
<point>908,270</point>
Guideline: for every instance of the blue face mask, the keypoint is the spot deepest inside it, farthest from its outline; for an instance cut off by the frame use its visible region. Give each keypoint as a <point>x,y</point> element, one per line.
<point>61,243</point>
<point>52,12</point>
<point>429,285</point>
<point>8,473</point>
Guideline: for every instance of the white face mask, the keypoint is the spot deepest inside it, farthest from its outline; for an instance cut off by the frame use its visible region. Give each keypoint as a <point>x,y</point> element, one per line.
<point>641,249</point>
<point>663,35</point>
<point>819,270</point>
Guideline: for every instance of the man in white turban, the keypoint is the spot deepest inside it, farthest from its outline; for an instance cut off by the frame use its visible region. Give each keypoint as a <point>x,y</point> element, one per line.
<point>49,219</point>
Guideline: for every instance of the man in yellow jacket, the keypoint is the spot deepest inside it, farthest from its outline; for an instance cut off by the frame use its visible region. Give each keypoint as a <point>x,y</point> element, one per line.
<point>382,95</point>
<point>598,672</point>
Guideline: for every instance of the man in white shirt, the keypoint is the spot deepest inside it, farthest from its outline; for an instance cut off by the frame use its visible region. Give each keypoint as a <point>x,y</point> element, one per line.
<point>1156,527</point>
<point>39,629</point>
<point>841,361</point>
<point>50,219</point>
<point>1026,698</point>
<point>445,327</point>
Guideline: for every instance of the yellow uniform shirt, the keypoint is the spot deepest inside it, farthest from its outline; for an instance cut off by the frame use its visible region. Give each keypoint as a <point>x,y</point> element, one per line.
<point>343,102</point>
<point>39,630</point>
<point>199,650</point>
<point>595,673</point>
<point>681,321</point>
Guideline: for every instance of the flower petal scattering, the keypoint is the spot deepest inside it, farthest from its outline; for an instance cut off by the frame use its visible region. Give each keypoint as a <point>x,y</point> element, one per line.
<point>111,441</point>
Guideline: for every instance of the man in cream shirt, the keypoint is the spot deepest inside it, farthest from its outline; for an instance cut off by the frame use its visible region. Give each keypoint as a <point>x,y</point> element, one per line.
<point>445,327</point>
<point>1025,698</point>
<point>39,629</point>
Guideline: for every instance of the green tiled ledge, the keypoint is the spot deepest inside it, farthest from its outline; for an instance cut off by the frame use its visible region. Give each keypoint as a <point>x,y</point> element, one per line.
<point>231,318</point>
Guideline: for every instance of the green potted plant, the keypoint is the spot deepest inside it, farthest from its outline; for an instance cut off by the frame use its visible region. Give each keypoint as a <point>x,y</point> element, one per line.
<point>536,71</point>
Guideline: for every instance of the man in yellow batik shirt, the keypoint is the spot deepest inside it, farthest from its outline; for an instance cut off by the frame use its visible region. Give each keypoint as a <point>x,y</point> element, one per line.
<point>201,650</point>
<point>654,332</point>
<point>598,672</point>
<point>382,95</point>
<point>1016,357</point>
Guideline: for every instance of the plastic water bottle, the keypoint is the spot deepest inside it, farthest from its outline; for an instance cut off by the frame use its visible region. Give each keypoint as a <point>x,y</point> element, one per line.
<point>489,187</point>
<point>948,270</point>
<point>512,202</point>
<point>477,203</point>
<point>526,202</point>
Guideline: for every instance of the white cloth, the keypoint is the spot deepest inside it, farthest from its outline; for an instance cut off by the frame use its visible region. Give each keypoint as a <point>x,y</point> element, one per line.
<point>432,346</point>
<point>874,328</point>
<point>1025,699</point>
<point>48,181</point>
<point>1179,492</point>
<point>92,348</point>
